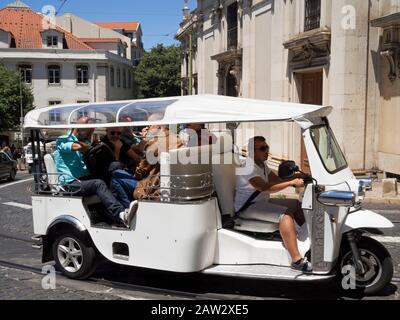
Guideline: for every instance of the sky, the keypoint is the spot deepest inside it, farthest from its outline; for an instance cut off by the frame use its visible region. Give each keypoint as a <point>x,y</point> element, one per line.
<point>159,18</point>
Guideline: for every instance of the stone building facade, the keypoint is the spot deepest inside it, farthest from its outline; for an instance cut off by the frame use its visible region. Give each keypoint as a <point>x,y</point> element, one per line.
<point>342,53</point>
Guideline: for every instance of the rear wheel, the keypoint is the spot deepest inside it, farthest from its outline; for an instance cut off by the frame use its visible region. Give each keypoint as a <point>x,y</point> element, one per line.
<point>73,258</point>
<point>377,265</point>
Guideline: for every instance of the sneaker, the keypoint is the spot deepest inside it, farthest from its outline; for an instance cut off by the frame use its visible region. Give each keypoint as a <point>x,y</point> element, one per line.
<point>128,214</point>
<point>302,265</point>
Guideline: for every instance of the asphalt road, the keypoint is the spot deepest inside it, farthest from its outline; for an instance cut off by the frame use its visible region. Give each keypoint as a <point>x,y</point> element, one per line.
<point>20,266</point>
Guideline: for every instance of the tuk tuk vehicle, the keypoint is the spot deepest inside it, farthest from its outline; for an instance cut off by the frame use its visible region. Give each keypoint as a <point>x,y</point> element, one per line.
<point>183,230</point>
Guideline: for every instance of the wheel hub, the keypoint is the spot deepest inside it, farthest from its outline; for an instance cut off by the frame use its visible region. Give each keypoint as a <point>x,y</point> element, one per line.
<point>70,255</point>
<point>371,264</point>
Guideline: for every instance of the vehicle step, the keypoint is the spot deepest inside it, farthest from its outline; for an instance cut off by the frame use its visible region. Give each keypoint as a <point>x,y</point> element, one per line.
<point>264,272</point>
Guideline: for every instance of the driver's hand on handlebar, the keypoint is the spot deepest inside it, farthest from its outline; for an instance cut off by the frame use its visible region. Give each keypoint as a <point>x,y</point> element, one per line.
<point>298,183</point>
<point>301,175</point>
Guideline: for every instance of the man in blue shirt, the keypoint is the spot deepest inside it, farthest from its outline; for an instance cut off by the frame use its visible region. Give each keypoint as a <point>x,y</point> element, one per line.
<point>71,166</point>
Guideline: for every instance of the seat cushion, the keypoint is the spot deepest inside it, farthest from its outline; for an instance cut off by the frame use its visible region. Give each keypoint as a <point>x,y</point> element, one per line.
<point>255,226</point>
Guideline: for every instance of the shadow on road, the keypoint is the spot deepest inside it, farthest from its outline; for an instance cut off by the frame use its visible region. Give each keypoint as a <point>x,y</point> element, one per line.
<point>230,287</point>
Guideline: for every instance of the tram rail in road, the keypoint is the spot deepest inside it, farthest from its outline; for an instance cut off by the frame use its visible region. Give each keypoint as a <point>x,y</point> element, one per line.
<point>170,293</point>
<point>116,284</point>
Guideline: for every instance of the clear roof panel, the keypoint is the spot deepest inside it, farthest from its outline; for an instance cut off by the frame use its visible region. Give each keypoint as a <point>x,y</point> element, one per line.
<point>141,111</point>
<point>100,113</point>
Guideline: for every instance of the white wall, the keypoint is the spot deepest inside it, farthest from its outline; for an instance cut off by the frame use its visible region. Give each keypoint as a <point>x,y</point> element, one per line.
<point>68,91</point>
<point>85,29</point>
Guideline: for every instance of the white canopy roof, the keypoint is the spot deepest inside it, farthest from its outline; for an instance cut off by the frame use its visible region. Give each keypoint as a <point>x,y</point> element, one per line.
<point>173,110</point>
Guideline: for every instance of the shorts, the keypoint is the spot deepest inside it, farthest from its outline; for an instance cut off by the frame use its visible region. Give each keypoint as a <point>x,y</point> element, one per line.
<point>271,210</point>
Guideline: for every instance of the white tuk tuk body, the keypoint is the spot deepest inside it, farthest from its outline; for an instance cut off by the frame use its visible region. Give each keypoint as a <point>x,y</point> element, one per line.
<point>183,231</point>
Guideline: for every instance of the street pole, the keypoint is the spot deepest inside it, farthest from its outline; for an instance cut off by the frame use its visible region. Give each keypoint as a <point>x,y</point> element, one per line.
<point>190,63</point>
<point>21,110</point>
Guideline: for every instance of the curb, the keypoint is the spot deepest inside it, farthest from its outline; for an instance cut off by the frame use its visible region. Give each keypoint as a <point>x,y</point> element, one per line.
<point>392,201</point>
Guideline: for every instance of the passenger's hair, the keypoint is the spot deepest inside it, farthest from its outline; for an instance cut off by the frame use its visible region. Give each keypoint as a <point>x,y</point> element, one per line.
<point>252,143</point>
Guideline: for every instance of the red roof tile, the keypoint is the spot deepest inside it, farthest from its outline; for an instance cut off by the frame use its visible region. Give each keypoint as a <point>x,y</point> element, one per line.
<point>26,26</point>
<point>127,26</point>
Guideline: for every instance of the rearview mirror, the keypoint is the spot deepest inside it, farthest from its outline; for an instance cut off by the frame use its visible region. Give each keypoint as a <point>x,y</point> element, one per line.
<point>287,169</point>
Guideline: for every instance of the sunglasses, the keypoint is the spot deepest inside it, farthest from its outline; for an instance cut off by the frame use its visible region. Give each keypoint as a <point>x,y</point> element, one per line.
<point>115,133</point>
<point>263,149</point>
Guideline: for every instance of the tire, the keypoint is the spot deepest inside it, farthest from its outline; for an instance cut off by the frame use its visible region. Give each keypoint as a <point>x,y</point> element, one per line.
<point>378,263</point>
<point>80,265</point>
<point>13,174</point>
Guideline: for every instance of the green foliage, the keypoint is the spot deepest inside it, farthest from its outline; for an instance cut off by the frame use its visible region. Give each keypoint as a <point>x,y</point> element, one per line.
<point>158,74</point>
<point>10,100</point>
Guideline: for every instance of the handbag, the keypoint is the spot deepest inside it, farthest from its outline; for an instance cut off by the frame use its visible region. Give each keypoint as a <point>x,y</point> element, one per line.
<point>149,187</point>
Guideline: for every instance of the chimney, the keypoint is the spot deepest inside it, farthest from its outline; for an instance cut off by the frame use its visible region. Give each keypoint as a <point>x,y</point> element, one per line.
<point>186,11</point>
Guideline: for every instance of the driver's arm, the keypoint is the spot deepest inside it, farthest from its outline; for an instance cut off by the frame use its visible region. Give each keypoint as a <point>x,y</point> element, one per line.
<point>275,184</point>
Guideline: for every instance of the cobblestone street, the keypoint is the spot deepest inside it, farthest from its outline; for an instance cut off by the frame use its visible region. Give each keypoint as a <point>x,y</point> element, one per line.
<point>18,283</point>
<point>24,285</point>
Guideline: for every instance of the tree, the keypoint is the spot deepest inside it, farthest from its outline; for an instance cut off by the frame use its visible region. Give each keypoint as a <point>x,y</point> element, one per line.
<point>10,99</point>
<point>158,73</point>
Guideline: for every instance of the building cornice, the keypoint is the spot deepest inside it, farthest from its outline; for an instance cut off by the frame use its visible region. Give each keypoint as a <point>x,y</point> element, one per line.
<point>229,55</point>
<point>313,36</point>
<point>53,54</point>
<point>387,21</point>
<point>390,42</point>
<point>309,49</point>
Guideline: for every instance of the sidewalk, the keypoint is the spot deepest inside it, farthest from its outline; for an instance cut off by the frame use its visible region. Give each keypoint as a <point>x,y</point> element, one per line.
<point>375,196</point>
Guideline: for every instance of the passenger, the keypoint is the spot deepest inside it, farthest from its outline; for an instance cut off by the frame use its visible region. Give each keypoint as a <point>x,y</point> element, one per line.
<point>122,180</point>
<point>196,135</point>
<point>257,186</point>
<point>124,183</point>
<point>159,140</point>
<point>128,137</point>
<point>70,166</point>
<point>122,151</point>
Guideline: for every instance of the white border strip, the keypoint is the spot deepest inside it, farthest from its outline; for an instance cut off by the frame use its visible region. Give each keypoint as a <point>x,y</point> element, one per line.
<point>18,205</point>
<point>387,239</point>
<point>14,183</point>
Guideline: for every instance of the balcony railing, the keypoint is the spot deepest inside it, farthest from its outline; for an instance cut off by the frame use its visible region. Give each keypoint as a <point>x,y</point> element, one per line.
<point>312,15</point>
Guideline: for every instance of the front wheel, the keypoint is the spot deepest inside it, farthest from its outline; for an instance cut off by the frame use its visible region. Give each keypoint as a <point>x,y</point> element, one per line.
<point>73,258</point>
<point>377,265</point>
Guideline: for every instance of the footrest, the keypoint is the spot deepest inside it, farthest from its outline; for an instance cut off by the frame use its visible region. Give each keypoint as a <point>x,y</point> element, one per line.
<point>264,272</point>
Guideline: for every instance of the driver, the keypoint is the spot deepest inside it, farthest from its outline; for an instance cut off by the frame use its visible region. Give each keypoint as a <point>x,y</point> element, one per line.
<point>252,199</point>
<point>70,165</point>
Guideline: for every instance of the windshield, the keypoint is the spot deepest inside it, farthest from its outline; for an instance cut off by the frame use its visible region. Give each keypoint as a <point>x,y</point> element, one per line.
<point>328,149</point>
